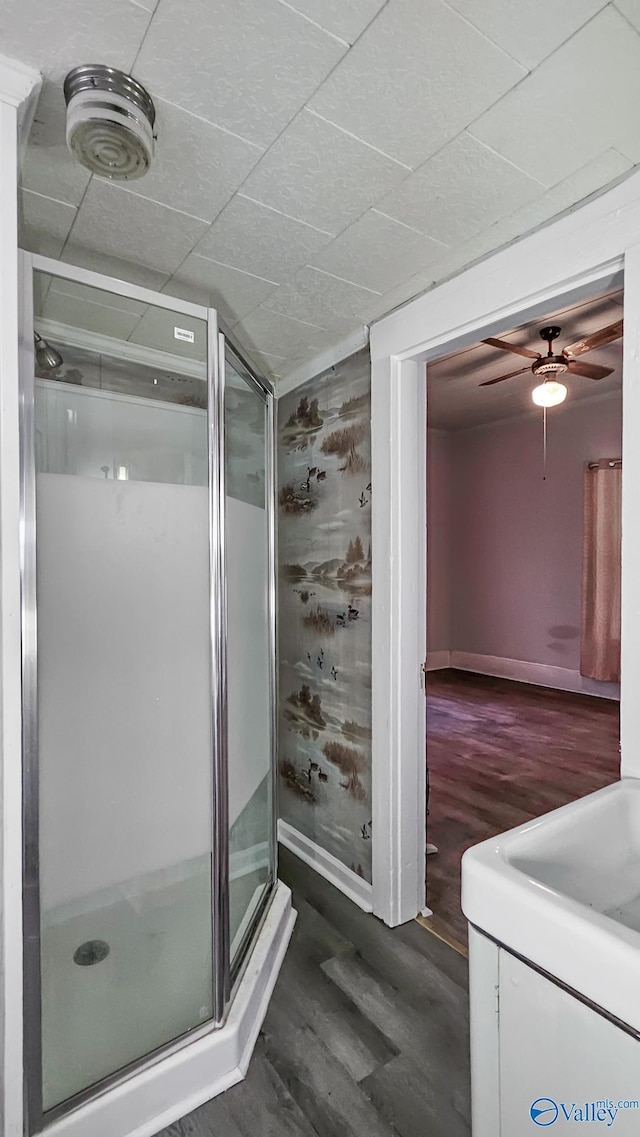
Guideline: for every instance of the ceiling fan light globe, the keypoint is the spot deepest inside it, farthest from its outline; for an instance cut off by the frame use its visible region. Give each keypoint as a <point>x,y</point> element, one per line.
<point>549,394</point>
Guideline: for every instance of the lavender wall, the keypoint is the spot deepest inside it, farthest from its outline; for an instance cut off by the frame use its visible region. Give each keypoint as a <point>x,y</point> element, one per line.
<point>509,568</point>
<point>439,537</point>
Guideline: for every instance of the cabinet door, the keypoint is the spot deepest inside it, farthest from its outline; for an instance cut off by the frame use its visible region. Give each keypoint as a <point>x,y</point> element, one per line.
<point>561,1063</point>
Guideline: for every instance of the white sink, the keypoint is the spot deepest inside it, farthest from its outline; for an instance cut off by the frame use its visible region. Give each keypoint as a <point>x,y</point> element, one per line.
<point>563,891</point>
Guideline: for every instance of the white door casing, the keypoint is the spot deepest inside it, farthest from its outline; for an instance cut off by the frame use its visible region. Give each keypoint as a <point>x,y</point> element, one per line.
<point>579,255</point>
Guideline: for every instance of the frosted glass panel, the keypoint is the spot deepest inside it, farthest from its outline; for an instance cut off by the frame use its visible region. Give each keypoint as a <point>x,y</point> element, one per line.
<point>248,650</point>
<point>124,686</point>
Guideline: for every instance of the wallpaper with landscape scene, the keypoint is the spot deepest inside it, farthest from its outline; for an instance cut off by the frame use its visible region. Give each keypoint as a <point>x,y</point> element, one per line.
<point>324,549</point>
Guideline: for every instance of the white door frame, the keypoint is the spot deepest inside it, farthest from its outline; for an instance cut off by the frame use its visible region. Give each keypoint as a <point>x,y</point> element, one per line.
<point>572,258</point>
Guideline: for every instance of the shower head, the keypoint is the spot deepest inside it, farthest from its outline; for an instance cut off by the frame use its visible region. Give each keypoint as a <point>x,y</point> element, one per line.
<point>46,356</point>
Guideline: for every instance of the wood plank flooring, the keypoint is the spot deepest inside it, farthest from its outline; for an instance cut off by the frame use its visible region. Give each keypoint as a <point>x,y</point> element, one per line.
<point>500,753</point>
<point>366,1034</point>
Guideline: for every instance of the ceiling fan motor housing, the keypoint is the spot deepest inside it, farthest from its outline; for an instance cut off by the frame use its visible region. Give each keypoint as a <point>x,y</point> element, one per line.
<point>549,365</point>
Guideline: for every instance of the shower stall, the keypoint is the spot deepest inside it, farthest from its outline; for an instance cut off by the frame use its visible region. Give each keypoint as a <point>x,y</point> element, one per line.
<point>154,923</point>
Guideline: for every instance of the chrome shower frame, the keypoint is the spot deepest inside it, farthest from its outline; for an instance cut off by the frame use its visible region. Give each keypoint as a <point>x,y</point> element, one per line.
<point>225,973</point>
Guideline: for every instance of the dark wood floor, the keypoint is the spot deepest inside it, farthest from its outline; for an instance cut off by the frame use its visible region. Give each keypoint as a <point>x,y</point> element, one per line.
<point>366,1034</point>
<point>500,753</point>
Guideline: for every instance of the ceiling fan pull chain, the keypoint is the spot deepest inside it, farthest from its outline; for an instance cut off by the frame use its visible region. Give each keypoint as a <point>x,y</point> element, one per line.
<point>544,444</point>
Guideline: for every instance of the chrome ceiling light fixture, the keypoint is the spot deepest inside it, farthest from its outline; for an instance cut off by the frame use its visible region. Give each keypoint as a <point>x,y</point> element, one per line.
<point>110,122</point>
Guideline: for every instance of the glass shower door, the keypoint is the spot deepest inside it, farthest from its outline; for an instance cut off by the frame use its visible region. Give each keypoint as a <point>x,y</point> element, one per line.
<point>248,426</point>
<point>124,724</point>
<point>148,639</point>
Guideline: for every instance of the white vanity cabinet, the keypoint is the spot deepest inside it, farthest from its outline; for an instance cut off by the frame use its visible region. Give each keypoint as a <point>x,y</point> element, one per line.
<point>542,1058</point>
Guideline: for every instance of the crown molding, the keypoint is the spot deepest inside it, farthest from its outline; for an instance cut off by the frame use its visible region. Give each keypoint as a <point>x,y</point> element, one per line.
<point>17,81</point>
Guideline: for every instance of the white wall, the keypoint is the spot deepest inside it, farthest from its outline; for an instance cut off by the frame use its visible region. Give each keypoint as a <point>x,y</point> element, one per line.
<point>439,537</point>
<point>513,582</point>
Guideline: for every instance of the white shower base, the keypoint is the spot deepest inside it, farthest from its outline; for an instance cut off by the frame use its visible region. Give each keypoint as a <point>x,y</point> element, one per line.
<point>153,986</point>
<point>170,1087</point>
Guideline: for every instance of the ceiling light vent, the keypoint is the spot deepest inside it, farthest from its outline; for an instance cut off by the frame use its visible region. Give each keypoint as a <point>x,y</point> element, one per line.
<point>110,121</point>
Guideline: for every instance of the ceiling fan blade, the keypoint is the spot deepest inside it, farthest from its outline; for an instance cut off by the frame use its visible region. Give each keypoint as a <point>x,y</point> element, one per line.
<point>589,370</point>
<point>504,345</point>
<point>501,378</point>
<point>598,339</point>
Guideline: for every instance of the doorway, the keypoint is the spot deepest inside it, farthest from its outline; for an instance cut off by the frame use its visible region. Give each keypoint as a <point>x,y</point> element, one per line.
<point>522,679</point>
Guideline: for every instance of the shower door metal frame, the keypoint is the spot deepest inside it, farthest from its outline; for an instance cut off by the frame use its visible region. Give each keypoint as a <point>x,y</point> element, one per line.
<point>265,391</point>
<point>35,1119</point>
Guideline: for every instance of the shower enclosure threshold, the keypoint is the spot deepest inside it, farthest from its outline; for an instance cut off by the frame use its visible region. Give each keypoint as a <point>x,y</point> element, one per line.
<point>167,1089</point>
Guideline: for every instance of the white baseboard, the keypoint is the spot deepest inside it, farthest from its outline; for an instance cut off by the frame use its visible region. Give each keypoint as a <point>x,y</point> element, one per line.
<point>437,660</point>
<point>327,865</point>
<point>540,674</point>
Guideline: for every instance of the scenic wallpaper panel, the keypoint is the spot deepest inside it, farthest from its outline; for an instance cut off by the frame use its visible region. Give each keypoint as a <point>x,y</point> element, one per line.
<point>324,609</point>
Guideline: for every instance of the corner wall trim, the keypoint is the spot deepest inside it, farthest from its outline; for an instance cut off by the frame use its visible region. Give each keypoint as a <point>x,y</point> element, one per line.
<point>327,865</point>
<point>437,660</point>
<point>540,674</point>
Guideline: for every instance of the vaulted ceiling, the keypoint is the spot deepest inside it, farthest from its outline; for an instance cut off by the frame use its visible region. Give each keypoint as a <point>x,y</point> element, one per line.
<point>321,161</point>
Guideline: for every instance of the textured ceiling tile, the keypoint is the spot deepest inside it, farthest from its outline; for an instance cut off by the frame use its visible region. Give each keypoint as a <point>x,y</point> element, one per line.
<point>44,223</point>
<point>124,225</point>
<point>49,167</point>
<point>377,252</point>
<point>594,176</point>
<point>346,20</point>
<point>528,32</point>
<point>460,191</point>
<point>197,166</point>
<point>54,37</point>
<point>79,312</point>
<point>259,240</point>
<point>630,9</point>
<point>247,65</point>
<point>318,174</point>
<point>319,298</point>
<point>231,292</point>
<point>81,291</point>
<point>268,364</point>
<point>416,78</point>
<point>157,327</point>
<point>114,267</point>
<point>408,290</point>
<point>589,88</point>
<point>272,333</point>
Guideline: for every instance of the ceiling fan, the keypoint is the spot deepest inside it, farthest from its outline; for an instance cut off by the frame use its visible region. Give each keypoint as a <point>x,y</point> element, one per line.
<point>550,366</point>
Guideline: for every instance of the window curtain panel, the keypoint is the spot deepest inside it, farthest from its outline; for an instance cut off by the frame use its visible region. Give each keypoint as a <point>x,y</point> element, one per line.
<point>600,643</point>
